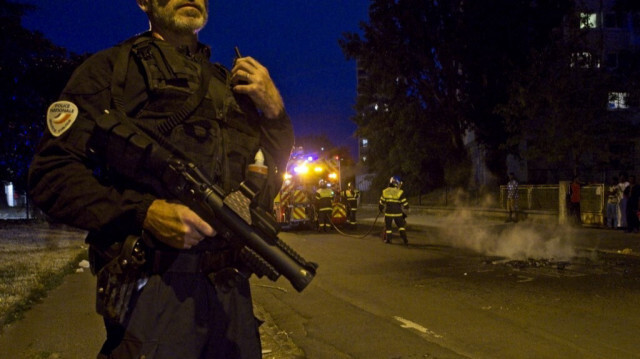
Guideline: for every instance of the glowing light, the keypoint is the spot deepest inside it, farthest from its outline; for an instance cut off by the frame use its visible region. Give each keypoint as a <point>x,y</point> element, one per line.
<point>333,175</point>
<point>287,176</point>
<point>302,169</point>
<point>318,169</point>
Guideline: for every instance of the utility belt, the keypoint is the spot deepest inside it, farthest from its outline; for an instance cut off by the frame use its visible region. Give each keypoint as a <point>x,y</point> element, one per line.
<point>177,261</point>
<point>138,253</point>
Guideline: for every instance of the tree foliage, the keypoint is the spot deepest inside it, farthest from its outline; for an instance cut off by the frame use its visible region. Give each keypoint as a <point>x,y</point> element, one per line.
<point>322,146</point>
<point>33,71</point>
<point>435,70</point>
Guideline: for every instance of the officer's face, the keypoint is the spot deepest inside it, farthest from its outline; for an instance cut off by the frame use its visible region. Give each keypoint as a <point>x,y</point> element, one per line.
<point>178,16</point>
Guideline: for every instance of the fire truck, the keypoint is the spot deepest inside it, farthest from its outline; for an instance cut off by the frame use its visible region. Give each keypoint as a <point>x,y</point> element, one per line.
<point>294,204</point>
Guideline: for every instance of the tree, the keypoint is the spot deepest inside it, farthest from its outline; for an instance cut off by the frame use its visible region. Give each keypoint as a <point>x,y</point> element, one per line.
<point>322,146</point>
<point>436,70</point>
<point>408,108</point>
<point>32,74</point>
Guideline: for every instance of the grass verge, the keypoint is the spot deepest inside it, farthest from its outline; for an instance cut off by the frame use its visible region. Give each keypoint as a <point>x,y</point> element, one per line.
<point>34,258</point>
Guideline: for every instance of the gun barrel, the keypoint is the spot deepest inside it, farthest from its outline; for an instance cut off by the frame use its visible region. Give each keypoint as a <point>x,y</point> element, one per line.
<point>283,258</point>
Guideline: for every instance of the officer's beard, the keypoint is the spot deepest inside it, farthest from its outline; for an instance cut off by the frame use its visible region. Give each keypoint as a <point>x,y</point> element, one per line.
<point>190,22</point>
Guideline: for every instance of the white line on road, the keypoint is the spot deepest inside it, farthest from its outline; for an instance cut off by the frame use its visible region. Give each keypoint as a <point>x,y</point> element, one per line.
<point>412,325</point>
<point>524,279</point>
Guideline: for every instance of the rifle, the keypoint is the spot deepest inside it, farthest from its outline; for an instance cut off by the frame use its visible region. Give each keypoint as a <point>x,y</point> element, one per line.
<point>132,152</point>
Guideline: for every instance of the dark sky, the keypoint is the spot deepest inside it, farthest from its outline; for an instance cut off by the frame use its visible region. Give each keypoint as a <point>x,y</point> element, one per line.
<point>297,40</point>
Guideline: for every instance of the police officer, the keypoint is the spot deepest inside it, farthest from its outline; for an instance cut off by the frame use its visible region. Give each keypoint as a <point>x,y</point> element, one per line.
<point>163,80</point>
<point>394,205</point>
<point>324,205</point>
<point>350,196</point>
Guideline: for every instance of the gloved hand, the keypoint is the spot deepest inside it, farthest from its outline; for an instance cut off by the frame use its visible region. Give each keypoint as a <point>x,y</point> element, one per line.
<point>176,224</point>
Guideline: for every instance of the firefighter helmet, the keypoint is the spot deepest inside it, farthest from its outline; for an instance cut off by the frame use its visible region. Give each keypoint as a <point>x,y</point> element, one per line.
<point>322,183</point>
<point>395,181</point>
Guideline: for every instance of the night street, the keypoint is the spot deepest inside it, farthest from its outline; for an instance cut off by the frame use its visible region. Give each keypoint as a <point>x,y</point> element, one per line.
<point>151,170</point>
<point>433,300</point>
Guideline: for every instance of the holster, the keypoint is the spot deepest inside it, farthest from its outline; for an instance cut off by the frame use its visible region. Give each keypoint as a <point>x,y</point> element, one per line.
<point>120,279</point>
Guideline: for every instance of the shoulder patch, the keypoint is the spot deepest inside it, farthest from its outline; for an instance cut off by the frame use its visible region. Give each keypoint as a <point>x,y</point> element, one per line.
<point>60,117</point>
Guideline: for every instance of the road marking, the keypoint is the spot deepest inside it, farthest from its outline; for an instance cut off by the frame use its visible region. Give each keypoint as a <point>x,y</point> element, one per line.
<point>523,279</point>
<point>412,325</point>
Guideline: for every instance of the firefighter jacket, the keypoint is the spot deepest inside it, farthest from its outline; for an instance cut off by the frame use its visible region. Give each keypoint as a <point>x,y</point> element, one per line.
<point>393,202</point>
<point>324,199</point>
<point>221,135</point>
<point>351,197</point>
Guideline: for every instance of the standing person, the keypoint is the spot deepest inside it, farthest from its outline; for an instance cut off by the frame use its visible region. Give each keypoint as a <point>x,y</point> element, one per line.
<point>613,195</point>
<point>324,205</point>
<point>512,198</point>
<point>192,298</point>
<point>394,205</point>
<point>574,200</point>
<point>350,196</point>
<point>623,208</point>
<point>633,224</point>
<point>622,201</point>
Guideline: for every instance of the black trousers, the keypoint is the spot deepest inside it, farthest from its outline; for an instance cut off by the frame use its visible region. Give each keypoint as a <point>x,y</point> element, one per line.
<point>324,219</point>
<point>184,315</point>
<point>399,221</point>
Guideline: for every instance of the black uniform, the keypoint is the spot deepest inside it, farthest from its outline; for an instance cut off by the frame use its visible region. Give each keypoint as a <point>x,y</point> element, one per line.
<point>178,312</point>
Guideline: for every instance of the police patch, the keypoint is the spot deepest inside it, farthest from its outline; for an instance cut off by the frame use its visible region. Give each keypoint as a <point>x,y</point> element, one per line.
<point>60,117</point>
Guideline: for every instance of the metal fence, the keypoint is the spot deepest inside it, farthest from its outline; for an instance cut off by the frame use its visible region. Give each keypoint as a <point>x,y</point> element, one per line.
<point>550,198</point>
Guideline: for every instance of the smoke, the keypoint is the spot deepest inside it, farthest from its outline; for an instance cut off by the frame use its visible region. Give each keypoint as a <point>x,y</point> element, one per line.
<point>518,241</point>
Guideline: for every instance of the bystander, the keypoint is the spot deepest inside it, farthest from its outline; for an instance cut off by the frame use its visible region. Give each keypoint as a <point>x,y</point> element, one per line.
<point>613,192</point>
<point>512,198</point>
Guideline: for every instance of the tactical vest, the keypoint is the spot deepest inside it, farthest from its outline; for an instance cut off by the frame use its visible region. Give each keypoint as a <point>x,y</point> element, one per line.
<point>213,127</point>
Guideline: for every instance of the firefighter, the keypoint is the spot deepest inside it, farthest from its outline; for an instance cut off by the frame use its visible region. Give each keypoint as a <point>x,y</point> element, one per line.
<point>324,203</point>
<point>350,197</point>
<point>394,205</point>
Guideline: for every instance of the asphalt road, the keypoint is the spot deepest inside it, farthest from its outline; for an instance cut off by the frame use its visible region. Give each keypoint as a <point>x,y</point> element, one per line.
<point>460,289</point>
<point>437,298</point>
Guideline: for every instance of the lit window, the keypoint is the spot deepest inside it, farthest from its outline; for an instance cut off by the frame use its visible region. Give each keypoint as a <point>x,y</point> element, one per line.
<point>618,100</point>
<point>588,21</point>
<point>364,158</point>
<point>365,142</point>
